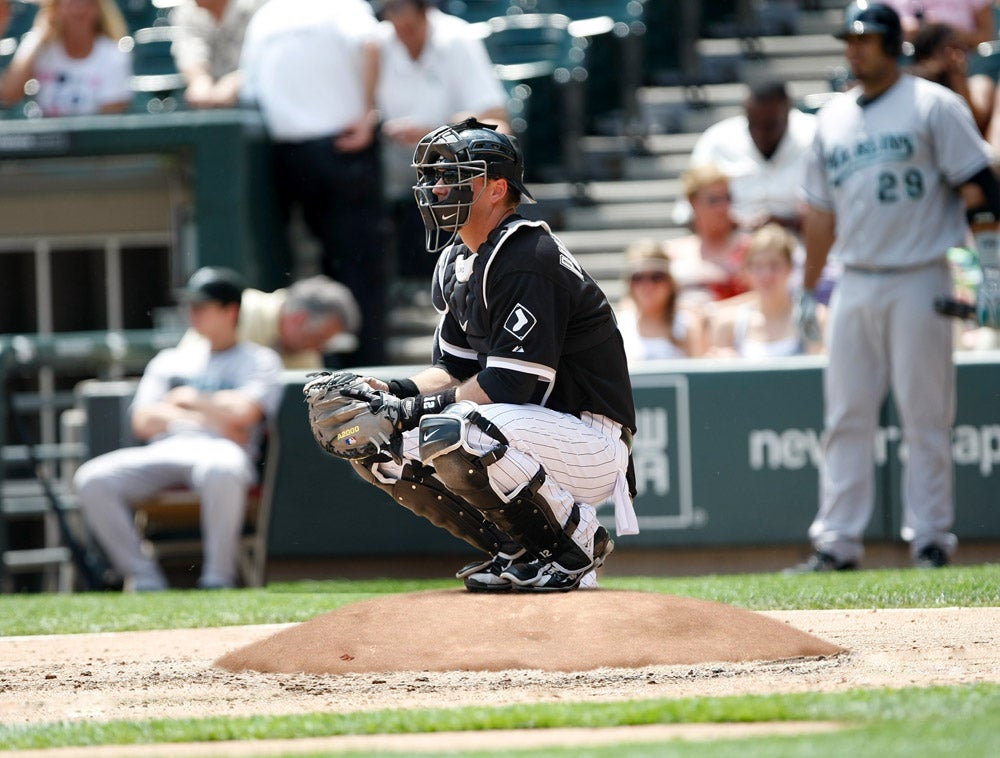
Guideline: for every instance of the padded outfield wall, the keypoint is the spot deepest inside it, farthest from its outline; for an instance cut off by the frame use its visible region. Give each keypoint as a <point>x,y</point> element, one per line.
<point>726,455</point>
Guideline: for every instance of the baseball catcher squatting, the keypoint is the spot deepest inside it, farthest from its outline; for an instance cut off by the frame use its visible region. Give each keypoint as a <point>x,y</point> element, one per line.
<point>523,423</point>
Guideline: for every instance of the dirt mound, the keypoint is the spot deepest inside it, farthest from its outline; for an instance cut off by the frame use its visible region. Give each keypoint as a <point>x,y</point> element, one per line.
<point>455,630</point>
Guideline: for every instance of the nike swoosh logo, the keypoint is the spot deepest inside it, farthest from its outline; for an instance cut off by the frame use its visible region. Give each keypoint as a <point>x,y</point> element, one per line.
<point>449,218</point>
<point>430,434</point>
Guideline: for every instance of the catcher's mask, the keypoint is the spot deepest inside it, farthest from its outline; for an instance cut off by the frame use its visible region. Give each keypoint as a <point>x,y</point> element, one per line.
<point>449,158</point>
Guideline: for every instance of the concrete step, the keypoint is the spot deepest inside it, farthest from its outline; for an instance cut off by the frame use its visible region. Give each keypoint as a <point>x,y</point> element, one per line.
<point>796,45</point>
<point>610,216</point>
<point>586,241</point>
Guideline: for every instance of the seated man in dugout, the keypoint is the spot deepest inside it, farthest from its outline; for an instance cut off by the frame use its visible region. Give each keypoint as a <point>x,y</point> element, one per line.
<point>200,408</point>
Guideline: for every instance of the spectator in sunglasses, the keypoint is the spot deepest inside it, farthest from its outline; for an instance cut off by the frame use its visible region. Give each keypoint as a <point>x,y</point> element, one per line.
<point>709,261</point>
<point>652,324</point>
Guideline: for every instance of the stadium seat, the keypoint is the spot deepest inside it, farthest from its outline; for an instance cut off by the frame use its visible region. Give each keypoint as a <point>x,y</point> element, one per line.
<point>22,16</point>
<point>170,524</point>
<point>475,11</point>
<point>613,33</point>
<point>540,64</point>
<point>156,82</point>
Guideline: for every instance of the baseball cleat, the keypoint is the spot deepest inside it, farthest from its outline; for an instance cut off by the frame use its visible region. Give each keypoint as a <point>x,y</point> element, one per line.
<point>485,576</point>
<point>819,562</point>
<point>540,575</point>
<point>931,557</point>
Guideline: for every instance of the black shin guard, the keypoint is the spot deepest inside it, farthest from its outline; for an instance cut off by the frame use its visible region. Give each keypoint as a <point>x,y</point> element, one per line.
<point>418,491</point>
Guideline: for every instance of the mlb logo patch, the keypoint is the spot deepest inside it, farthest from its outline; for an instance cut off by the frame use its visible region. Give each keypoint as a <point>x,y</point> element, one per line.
<point>520,322</point>
<point>351,441</point>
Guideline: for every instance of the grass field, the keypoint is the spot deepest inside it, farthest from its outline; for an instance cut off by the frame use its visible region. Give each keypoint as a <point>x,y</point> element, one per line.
<point>906,722</point>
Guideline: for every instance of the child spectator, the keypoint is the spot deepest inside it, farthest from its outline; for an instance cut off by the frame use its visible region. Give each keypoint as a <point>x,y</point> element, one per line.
<point>760,324</point>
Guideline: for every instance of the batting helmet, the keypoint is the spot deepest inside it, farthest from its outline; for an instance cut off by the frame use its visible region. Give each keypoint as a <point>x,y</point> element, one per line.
<point>450,157</point>
<point>863,17</point>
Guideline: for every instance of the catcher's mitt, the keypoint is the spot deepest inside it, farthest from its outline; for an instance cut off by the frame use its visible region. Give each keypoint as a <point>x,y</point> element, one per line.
<point>343,426</point>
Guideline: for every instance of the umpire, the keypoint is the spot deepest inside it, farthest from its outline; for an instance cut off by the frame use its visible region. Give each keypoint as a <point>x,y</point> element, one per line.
<point>523,424</point>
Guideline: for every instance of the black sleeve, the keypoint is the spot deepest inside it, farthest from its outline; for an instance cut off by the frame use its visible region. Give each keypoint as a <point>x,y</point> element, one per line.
<point>987,181</point>
<point>451,351</point>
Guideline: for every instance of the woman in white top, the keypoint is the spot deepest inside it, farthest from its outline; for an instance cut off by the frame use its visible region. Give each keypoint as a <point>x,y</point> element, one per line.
<point>72,52</point>
<point>760,324</point>
<point>651,324</point>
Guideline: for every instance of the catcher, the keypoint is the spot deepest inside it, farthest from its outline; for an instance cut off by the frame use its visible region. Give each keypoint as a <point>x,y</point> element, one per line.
<point>523,424</point>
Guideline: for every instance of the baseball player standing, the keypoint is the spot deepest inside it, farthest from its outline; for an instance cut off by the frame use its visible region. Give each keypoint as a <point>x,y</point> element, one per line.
<point>522,425</point>
<point>893,162</point>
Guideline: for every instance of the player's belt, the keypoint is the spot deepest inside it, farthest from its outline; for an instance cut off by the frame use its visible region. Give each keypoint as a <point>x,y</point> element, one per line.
<point>863,269</point>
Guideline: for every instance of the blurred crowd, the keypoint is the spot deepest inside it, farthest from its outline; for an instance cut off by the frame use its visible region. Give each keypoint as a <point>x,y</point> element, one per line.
<point>395,69</point>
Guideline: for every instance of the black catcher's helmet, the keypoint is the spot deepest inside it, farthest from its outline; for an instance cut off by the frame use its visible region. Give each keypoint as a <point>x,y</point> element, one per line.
<point>863,17</point>
<point>451,157</point>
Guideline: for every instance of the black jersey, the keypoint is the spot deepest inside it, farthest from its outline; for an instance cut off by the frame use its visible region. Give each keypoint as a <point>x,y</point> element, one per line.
<point>523,314</point>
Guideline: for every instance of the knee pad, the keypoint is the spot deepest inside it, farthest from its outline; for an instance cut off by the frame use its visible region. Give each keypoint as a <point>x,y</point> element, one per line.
<point>444,445</point>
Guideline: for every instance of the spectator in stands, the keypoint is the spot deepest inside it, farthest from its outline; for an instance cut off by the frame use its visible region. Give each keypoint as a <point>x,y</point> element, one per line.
<point>652,324</point>
<point>311,67</point>
<point>938,55</point>
<point>973,22</point>
<point>72,52</point>
<point>432,70</point>
<point>207,48</point>
<point>760,324</point>
<point>763,153</point>
<point>200,408</point>
<point>709,261</point>
<point>298,322</point>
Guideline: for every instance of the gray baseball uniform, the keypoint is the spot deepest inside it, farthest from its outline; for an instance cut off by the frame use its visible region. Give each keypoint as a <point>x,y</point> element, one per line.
<point>889,170</point>
<point>191,456</point>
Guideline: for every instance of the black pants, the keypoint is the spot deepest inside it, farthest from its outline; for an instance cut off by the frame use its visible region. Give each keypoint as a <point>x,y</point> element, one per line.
<point>409,242</point>
<point>340,198</point>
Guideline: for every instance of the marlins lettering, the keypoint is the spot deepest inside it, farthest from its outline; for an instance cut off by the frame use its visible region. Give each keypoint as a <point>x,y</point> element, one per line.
<point>842,161</point>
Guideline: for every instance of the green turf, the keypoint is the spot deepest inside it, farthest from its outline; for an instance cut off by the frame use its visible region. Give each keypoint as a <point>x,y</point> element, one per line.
<point>885,723</point>
<point>911,722</point>
<point>106,612</point>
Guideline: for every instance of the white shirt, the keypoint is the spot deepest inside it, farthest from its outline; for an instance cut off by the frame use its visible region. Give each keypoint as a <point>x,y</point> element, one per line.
<point>889,171</point>
<point>252,369</point>
<point>79,86</point>
<point>639,348</point>
<point>453,74</point>
<point>303,65</point>
<point>760,186</point>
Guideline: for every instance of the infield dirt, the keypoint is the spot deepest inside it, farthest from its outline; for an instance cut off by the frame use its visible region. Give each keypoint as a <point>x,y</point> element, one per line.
<point>172,674</point>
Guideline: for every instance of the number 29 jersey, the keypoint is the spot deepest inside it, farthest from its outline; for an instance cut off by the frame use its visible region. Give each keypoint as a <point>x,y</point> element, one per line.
<point>889,170</point>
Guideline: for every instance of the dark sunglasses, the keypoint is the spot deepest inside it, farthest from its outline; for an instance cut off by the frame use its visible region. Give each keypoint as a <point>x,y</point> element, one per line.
<point>648,276</point>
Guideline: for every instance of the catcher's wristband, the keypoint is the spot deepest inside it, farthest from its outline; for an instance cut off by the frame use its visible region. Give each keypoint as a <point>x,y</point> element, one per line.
<point>432,403</point>
<point>403,387</point>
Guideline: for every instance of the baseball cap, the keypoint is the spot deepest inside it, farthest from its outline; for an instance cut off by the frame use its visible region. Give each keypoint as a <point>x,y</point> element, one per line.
<point>214,284</point>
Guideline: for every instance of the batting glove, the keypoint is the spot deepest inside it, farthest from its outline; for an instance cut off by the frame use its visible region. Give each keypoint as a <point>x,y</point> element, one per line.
<point>805,316</point>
